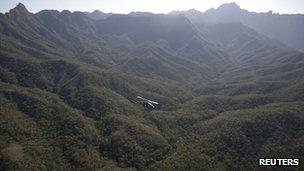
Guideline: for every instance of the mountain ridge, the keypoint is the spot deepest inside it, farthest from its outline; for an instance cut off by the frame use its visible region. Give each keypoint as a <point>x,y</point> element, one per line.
<point>68,87</point>
<point>275,26</point>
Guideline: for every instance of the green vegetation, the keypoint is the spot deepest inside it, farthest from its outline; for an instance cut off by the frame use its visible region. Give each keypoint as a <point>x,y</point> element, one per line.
<point>68,87</point>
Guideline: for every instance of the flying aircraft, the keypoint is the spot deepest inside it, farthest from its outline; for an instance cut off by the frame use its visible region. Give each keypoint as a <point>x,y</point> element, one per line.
<point>147,102</point>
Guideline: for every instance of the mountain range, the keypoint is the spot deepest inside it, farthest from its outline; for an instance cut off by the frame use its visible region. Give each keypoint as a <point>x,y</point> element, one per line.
<point>229,83</point>
<point>283,27</point>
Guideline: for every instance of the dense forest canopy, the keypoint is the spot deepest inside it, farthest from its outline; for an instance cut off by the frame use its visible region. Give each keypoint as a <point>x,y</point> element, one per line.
<point>228,93</point>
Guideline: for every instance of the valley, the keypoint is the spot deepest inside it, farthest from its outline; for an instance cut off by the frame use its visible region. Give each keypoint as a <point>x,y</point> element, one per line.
<point>227,94</point>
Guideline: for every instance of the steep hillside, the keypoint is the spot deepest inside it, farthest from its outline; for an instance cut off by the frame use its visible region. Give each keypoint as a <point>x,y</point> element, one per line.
<point>68,85</point>
<point>283,27</point>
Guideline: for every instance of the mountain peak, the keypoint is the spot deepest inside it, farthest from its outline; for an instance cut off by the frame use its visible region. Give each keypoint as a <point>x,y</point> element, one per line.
<point>97,15</point>
<point>193,11</point>
<point>97,12</point>
<point>19,11</point>
<point>20,8</point>
<point>229,6</point>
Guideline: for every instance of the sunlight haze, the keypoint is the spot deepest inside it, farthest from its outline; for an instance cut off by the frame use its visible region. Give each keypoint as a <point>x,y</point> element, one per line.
<point>155,6</point>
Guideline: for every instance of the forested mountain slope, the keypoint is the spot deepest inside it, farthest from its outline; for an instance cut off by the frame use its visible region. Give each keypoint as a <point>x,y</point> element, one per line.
<point>286,28</point>
<point>68,81</point>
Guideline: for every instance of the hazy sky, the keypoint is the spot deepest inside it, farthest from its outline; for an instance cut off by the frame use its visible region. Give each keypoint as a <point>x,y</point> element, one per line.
<point>156,6</point>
